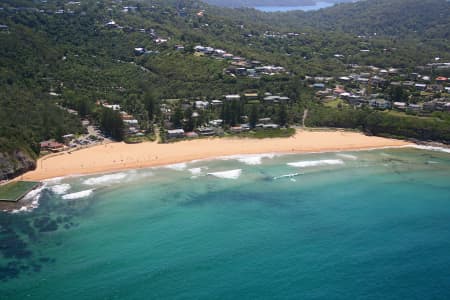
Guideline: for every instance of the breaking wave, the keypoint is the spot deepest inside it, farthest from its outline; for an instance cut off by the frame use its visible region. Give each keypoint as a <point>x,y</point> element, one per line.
<point>54,180</point>
<point>60,189</point>
<point>316,163</point>
<point>250,159</point>
<point>105,179</point>
<point>33,198</point>
<point>195,171</point>
<point>78,195</point>
<point>27,208</point>
<point>432,148</point>
<point>287,176</point>
<point>348,156</point>
<point>232,174</point>
<point>139,175</point>
<point>177,167</point>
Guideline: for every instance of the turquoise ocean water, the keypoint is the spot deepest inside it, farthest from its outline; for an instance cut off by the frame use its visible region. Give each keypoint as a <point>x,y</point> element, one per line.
<point>350,225</point>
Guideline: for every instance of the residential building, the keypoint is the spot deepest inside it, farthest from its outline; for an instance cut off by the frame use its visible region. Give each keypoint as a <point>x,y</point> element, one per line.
<point>52,146</point>
<point>175,133</point>
<point>319,86</point>
<point>441,79</point>
<point>414,107</point>
<point>216,103</point>
<point>380,103</point>
<point>206,131</point>
<point>233,97</point>
<point>420,86</point>
<point>399,105</point>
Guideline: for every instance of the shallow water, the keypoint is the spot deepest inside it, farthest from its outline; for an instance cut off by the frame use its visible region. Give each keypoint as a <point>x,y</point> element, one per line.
<point>365,225</point>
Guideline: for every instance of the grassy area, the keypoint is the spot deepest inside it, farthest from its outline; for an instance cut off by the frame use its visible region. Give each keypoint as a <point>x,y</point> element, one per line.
<point>426,94</point>
<point>396,113</point>
<point>14,190</point>
<point>139,139</point>
<point>336,103</point>
<point>253,102</point>
<point>269,133</point>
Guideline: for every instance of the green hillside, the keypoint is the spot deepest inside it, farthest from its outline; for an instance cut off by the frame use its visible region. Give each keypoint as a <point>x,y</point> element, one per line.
<point>60,55</point>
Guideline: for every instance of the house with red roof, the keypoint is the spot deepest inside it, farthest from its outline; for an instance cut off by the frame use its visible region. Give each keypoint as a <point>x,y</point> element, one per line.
<point>52,146</point>
<point>441,79</point>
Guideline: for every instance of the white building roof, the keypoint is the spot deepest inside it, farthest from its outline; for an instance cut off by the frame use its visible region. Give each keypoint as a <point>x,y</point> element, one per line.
<point>175,131</point>
<point>233,97</point>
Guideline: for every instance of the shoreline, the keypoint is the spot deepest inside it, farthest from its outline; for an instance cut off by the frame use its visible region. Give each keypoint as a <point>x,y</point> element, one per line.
<point>220,157</point>
<point>114,157</point>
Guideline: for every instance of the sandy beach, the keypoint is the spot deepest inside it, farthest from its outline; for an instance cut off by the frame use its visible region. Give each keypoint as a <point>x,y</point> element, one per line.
<point>120,156</point>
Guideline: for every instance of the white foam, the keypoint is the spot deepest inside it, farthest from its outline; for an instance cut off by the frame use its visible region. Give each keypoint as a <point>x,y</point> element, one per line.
<point>231,174</point>
<point>348,156</point>
<point>195,171</point>
<point>78,195</point>
<point>177,167</point>
<point>27,208</point>
<point>33,196</point>
<point>105,179</point>
<point>132,176</point>
<point>316,163</point>
<point>250,159</point>
<point>287,176</point>
<point>432,148</point>
<point>54,180</point>
<point>60,189</point>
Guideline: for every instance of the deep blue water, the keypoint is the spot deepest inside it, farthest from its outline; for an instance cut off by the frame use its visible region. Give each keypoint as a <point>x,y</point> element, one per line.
<point>359,225</point>
<point>317,6</point>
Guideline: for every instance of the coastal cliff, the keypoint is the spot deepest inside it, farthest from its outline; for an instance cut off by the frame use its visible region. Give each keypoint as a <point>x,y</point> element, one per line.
<point>14,163</point>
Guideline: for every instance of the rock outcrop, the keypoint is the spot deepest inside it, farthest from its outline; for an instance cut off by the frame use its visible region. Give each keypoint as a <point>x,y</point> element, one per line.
<point>15,163</point>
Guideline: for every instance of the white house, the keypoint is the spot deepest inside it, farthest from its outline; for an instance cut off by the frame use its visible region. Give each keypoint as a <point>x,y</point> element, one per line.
<point>414,107</point>
<point>175,133</point>
<point>111,24</point>
<point>199,48</point>
<point>216,102</point>
<point>399,105</point>
<point>216,123</point>
<point>219,52</point>
<point>112,106</point>
<point>271,126</point>
<point>201,104</point>
<point>160,40</point>
<point>131,122</point>
<point>421,86</point>
<point>380,103</point>
<point>233,97</point>
<point>139,51</point>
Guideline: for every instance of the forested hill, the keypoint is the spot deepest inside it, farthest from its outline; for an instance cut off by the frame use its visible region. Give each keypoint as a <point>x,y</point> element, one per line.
<point>254,3</point>
<point>398,18</point>
<point>383,17</point>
